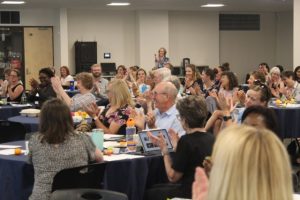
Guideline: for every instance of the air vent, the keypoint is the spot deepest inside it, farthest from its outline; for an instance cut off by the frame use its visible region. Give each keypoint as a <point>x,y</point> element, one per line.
<point>9,17</point>
<point>239,22</point>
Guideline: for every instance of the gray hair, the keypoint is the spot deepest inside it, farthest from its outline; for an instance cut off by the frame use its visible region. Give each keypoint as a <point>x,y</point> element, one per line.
<point>164,73</point>
<point>176,82</point>
<point>193,110</point>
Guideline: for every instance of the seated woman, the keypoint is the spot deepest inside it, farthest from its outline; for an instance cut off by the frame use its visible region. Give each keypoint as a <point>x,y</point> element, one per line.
<point>121,72</point>
<point>275,83</point>
<point>4,83</point>
<point>44,89</point>
<point>247,163</point>
<point>15,88</point>
<point>191,150</point>
<point>192,84</point>
<point>114,117</point>
<point>57,147</point>
<point>79,101</point>
<point>65,76</point>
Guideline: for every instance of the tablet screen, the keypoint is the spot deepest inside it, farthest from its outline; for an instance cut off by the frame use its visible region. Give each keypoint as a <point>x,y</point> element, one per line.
<point>148,145</point>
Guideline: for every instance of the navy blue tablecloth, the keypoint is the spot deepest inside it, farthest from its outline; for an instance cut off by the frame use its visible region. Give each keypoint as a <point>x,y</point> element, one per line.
<point>288,121</point>
<point>31,123</point>
<point>131,177</point>
<point>8,111</point>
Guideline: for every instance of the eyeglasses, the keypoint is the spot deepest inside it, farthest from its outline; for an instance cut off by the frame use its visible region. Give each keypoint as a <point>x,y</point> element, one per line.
<point>157,93</point>
<point>260,84</point>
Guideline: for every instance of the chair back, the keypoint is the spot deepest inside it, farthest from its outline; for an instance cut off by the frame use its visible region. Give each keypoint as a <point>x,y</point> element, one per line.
<point>88,176</point>
<point>11,131</point>
<point>87,194</point>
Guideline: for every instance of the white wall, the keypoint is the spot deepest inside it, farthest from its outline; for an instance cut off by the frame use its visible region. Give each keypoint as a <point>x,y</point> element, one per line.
<point>131,37</point>
<point>153,33</point>
<point>296,31</point>
<point>114,32</point>
<point>194,35</point>
<point>244,50</point>
<point>284,40</point>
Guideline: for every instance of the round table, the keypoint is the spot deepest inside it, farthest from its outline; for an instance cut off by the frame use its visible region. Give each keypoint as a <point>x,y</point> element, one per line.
<point>31,123</point>
<point>288,121</point>
<point>7,111</point>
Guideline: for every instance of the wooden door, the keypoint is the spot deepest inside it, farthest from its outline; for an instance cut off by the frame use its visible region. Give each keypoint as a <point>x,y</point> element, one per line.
<point>38,51</point>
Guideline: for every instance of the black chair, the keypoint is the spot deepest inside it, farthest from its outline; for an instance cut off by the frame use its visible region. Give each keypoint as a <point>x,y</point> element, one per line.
<point>11,131</point>
<point>86,194</point>
<point>88,176</point>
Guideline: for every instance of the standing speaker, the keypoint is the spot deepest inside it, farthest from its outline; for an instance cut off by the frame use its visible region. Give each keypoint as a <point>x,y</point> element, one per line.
<point>85,55</point>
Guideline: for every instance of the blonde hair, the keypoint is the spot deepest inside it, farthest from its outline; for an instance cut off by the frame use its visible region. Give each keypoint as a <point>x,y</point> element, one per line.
<point>121,95</point>
<point>249,164</point>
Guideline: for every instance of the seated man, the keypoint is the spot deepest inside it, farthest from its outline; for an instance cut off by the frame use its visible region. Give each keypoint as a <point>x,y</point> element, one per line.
<point>81,100</point>
<point>43,91</point>
<point>292,89</point>
<point>100,85</point>
<point>165,113</point>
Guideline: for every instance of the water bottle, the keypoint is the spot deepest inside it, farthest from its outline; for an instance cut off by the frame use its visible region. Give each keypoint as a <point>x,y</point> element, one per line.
<point>98,138</point>
<point>24,98</point>
<point>72,86</point>
<point>130,132</point>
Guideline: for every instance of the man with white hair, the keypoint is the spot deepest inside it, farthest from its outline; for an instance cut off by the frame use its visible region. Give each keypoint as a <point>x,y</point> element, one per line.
<point>161,74</point>
<point>165,114</point>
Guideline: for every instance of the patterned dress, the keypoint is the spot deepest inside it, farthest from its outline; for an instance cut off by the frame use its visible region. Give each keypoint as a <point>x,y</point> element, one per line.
<point>120,116</point>
<point>48,159</point>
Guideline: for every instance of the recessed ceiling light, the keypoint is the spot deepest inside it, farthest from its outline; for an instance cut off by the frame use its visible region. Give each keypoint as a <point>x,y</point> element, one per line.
<point>118,4</point>
<point>12,2</point>
<point>210,5</point>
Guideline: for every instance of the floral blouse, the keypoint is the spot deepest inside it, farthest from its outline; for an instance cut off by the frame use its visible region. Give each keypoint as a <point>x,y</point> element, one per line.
<point>120,116</point>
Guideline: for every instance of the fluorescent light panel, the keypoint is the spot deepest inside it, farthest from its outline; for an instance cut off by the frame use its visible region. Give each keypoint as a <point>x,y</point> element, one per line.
<point>210,5</point>
<point>118,4</point>
<point>12,2</point>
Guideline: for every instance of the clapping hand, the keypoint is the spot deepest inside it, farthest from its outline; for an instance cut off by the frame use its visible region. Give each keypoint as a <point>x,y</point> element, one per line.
<point>56,84</point>
<point>92,109</point>
<point>174,137</point>
<point>158,141</point>
<point>200,185</point>
<point>33,83</point>
<point>226,103</point>
<point>150,119</point>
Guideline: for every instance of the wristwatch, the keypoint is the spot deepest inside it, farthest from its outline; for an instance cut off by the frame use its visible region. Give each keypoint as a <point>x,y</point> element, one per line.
<point>226,118</point>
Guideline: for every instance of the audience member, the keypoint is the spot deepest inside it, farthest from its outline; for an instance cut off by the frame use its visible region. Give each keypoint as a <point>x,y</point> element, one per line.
<point>297,74</point>
<point>208,77</point>
<point>121,106</point>
<point>161,74</point>
<point>78,101</point>
<point>292,87</point>
<point>261,117</point>
<point>192,83</point>
<point>164,115</point>
<point>4,83</point>
<point>65,76</point>
<point>256,76</point>
<point>247,163</point>
<point>191,150</point>
<point>141,81</point>
<point>15,88</point>
<point>161,60</point>
<point>43,91</point>
<point>100,83</point>
<point>265,69</point>
<point>275,83</point>
<point>121,72</point>
<point>56,147</point>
